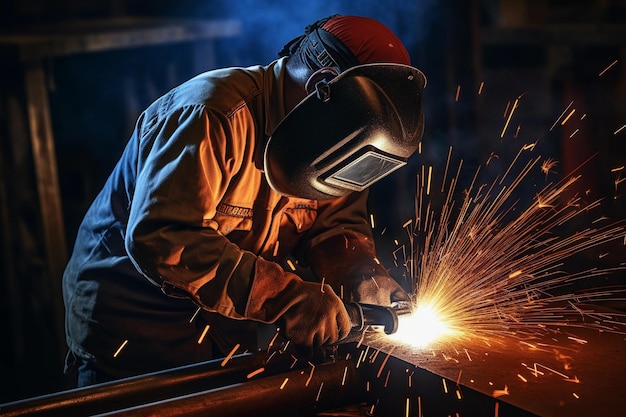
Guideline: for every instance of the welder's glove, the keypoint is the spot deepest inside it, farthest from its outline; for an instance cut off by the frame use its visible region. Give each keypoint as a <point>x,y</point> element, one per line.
<point>348,262</point>
<point>309,314</point>
<point>375,289</point>
<point>316,318</point>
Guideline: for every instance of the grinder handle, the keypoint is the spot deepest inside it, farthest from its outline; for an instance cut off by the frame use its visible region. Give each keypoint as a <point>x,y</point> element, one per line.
<point>362,315</point>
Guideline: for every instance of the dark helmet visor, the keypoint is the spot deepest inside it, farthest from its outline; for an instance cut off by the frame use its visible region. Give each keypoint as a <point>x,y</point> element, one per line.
<point>358,128</point>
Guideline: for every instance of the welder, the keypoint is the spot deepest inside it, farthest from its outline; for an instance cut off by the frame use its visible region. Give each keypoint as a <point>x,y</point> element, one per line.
<point>225,176</point>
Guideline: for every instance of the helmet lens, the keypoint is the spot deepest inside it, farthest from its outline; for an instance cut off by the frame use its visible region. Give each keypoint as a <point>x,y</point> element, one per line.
<point>364,171</point>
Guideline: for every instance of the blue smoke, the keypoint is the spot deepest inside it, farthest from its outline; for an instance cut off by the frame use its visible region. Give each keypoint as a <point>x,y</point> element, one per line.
<point>267,25</point>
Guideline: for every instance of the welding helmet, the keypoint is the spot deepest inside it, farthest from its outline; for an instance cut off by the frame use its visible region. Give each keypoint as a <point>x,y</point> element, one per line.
<point>347,134</point>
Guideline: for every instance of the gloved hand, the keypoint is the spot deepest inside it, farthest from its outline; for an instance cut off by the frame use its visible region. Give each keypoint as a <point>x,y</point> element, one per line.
<point>375,289</point>
<point>309,314</point>
<point>317,317</point>
<point>348,262</point>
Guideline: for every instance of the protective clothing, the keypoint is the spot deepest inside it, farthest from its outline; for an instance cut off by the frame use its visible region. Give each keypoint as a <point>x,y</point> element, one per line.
<point>310,314</point>
<point>186,211</point>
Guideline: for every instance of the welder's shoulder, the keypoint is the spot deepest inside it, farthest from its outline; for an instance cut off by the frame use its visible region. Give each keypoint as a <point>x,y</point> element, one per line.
<point>223,90</point>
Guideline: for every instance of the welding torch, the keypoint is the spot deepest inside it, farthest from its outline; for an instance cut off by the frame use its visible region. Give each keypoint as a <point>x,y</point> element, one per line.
<point>362,315</point>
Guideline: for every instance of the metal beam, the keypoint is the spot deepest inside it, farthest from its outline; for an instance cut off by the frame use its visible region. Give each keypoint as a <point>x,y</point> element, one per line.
<point>298,393</point>
<point>151,387</point>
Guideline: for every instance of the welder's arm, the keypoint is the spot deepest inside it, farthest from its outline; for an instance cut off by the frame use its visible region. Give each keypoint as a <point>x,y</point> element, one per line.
<point>173,240</point>
<point>345,255</point>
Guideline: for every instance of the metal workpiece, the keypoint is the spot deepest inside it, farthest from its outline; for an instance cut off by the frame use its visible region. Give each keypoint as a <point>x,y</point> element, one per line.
<point>551,372</point>
<point>151,387</point>
<point>297,393</point>
<point>396,387</point>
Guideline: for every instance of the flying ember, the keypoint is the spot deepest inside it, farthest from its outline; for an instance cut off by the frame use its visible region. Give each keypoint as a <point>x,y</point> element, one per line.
<point>489,267</point>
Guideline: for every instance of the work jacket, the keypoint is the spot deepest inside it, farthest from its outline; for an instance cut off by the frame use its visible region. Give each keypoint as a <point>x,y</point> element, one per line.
<point>180,248</point>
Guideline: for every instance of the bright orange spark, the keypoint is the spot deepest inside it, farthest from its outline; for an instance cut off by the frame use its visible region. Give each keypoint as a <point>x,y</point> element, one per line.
<point>547,165</point>
<point>117,352</point>
<point>255,373</point>
<point>491,156</point>
<point>500,392</point>
<point>230,355</point>
<point>204,332</point>
<point>493,272</point>
<point>607,68</point>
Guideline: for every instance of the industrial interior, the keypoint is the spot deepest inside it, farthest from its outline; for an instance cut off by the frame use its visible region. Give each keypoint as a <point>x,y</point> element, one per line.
<point>525,101</point>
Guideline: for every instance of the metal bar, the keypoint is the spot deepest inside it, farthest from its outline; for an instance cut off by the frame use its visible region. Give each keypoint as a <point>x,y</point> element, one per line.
<point>44,159</point>
<point>97,35</point>
<point>151,387</point>
<point>324,387</point>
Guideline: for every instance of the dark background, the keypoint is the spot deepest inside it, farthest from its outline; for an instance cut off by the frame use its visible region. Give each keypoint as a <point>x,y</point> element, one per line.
<point>549,53</point>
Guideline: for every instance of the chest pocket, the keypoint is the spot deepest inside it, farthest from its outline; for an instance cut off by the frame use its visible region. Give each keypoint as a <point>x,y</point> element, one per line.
<point>232,218</point>
<point>301,214</point>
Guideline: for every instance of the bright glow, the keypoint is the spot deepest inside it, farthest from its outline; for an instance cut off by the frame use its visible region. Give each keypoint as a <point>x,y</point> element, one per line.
<point>486,266</point>
<point>421,328</point>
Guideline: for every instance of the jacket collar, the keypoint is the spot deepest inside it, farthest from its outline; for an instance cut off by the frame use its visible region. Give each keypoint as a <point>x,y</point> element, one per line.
<point>274,87</point>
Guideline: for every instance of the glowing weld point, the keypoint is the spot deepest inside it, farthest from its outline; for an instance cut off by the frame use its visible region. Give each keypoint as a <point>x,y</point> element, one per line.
<point>421,328</point>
